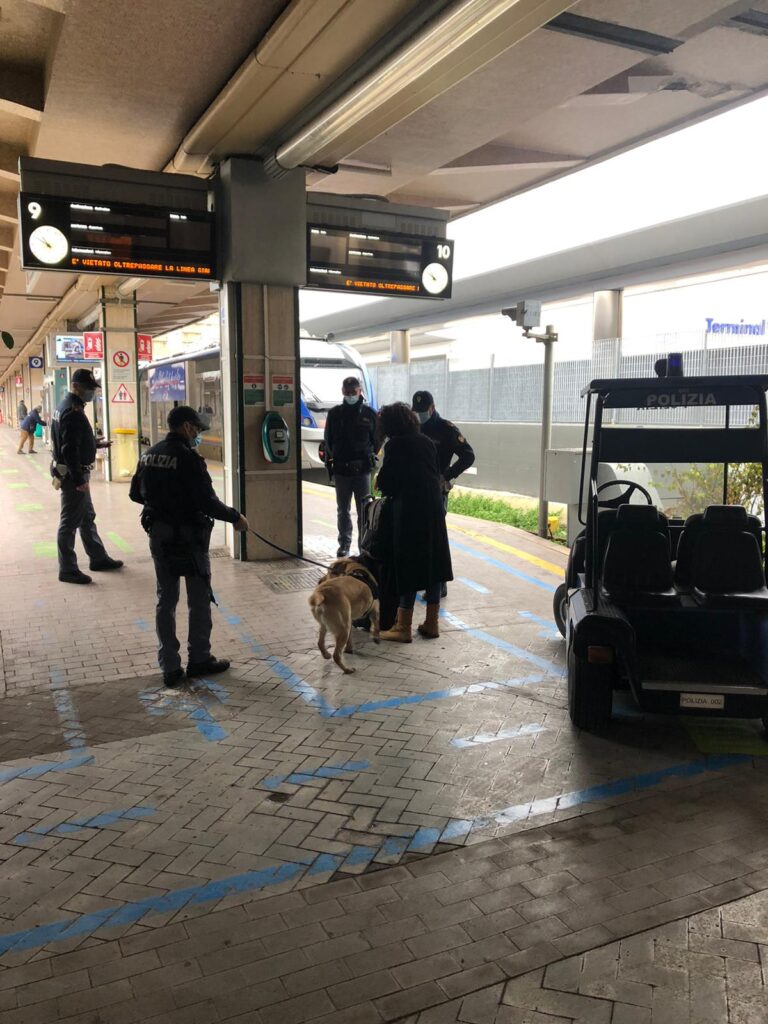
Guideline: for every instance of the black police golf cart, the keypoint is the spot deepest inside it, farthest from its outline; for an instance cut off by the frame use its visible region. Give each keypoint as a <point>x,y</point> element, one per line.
<point>674,608</point>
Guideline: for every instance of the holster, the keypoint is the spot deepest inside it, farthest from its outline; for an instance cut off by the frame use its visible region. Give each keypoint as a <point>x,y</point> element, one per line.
<point>183,547</point>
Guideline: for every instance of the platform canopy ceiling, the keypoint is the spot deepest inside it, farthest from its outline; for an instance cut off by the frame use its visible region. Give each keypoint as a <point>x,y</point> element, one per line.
<point>179,85</point>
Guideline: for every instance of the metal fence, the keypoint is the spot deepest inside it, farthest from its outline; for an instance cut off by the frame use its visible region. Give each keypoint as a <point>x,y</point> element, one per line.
<point>512,394</point>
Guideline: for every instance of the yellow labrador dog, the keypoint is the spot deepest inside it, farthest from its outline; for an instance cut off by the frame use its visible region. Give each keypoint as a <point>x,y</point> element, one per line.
<point>348,592</point>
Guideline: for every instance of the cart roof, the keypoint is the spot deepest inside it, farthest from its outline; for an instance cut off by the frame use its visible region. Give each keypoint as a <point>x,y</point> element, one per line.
<point>676,392</point>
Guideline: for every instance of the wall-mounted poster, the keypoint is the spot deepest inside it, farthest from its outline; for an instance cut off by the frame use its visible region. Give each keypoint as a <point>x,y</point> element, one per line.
<point>168,383</point>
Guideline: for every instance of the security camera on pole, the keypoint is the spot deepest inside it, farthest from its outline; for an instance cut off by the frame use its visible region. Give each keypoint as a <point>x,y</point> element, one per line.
<point>527,315</point>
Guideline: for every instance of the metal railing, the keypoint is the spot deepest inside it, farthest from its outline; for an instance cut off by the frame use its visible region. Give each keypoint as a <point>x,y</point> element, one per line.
<point>512,394</point>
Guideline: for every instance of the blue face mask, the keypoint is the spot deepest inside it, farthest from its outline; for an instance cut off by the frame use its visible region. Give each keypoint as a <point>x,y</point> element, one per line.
<point>423,416</point>
<point>196,442</point>
<point>350,399</point>
<point>87,395</point>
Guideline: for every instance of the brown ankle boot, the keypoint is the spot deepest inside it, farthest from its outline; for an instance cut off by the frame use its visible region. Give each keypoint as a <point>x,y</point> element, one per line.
<point>429,628</point>
<point>401,631</point>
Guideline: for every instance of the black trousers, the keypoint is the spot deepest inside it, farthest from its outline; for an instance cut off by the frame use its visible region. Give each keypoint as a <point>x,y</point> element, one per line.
<point>77,513</point>
<point>348,487</point>
<point>200,619</point>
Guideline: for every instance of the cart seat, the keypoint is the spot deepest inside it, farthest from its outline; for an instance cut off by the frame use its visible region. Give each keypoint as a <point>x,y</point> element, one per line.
<point>693,529</point>
<point>636,566</point>
<point>727,564</point>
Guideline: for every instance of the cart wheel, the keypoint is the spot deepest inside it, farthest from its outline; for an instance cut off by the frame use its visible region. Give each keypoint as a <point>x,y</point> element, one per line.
<point>590,694</point>
<point>560,608</point>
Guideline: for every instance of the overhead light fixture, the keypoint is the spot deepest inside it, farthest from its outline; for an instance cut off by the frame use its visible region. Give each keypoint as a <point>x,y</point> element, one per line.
<point>750,19</point>
<point>467,36</point>
<point>616,35</point>
<point>360,167</point>
<point>90,317</point>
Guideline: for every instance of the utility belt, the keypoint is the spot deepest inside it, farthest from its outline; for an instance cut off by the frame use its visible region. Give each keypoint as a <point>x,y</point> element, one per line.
<point>182,546</point>
<point>60,471</point>
<point>354,467</point>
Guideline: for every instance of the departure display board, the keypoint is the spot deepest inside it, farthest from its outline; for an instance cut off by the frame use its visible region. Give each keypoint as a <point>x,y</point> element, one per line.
<point>364,261</point>
<point>90,237</point>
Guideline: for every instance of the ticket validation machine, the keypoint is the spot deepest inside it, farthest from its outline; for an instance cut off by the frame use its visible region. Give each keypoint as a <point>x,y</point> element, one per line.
<point>275,438</point>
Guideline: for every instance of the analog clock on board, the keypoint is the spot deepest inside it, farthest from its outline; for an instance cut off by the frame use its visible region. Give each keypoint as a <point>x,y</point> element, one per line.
<point>48,244</point>
<point>435,278</point>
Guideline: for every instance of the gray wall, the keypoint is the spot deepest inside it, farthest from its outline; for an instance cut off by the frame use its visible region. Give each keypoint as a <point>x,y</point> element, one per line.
<point>507,454</point>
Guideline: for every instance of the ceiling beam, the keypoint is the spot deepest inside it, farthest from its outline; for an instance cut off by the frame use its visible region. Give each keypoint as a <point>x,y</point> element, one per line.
<point>22,90</point>
<point>6,238</point>
<point>9,162</point>
<point>8,210</point>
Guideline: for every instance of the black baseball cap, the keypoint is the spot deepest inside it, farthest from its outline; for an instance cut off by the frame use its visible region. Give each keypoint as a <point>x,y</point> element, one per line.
<point>350,382</point>
<point>85,379</point>
<point>186,414</point>
<point>422,400</point>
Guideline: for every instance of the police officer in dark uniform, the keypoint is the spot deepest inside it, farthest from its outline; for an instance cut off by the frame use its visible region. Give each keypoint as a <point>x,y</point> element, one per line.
<point>74,452</point>
<point>448,438</point>
<point>350,454</point>
<point>173,485</point>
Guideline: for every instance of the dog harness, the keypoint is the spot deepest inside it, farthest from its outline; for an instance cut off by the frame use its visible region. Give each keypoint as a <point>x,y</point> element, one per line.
<point>360,574</point>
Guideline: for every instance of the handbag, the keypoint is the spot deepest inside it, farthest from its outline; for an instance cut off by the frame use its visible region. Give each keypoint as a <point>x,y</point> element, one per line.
<point>39,430</point>
<point>378,529</point>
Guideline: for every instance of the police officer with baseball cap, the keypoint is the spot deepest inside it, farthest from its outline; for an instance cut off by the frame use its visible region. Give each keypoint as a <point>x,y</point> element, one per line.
<point>449,440</point>
<point>173,485</point>
<point>74,453</point>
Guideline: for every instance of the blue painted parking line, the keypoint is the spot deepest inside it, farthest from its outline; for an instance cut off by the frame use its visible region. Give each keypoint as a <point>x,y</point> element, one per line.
<point>65,709</point>
<point>389,850</point>
<point>417,698</point>
<point>217,689</point>
<point>606,790</point>
<point>36,771</point>
<point>359,857</point>
<point>130,913</point>
<point>281,670</point>
<point>498,564</point>
<point>549,629</point>
<point>494,737</point>
<point>160,702</point>
<point>69,828</point>
<point>326,772</point>
<point>472,585</point>
<point>503,645</point>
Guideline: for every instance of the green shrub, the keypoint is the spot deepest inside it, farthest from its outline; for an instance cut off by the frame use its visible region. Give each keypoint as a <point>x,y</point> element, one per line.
<point>494,509</point>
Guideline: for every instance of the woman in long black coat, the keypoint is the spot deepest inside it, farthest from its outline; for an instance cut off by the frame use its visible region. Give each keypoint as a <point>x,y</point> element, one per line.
<point>420,558</point>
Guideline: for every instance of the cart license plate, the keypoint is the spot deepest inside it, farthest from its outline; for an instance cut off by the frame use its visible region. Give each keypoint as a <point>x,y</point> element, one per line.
<point>702,700</point>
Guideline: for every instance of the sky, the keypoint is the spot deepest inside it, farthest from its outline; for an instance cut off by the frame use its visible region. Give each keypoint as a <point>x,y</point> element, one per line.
<point>715,163</point>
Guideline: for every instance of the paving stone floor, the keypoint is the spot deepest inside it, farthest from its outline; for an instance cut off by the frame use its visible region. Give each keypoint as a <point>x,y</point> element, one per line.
<point>414,842</point>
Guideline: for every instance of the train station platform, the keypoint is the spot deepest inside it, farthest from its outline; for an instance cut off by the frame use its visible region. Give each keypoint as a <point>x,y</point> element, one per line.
<point>425,841</point>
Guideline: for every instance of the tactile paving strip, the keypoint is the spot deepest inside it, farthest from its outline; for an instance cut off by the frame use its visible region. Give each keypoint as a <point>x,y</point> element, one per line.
<point>304,579</point>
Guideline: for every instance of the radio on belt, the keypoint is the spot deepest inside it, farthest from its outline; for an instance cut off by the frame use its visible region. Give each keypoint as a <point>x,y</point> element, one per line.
<point>275,438</point>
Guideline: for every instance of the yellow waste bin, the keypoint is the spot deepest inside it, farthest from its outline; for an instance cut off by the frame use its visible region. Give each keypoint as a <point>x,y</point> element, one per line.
<point>125,452</point>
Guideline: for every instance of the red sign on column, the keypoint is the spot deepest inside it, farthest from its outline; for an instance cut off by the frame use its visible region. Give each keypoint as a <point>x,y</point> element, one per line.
<point>93,345</point>
<point>144,347</point>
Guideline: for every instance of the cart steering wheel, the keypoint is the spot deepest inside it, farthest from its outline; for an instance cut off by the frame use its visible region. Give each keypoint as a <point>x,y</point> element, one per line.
<point>625,497</point>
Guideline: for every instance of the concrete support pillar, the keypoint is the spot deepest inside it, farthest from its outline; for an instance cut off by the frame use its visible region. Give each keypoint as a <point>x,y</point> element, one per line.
<point>400,347</point>
<point>606,314</point>
<point>120,414</point>
<point>260,373</point>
